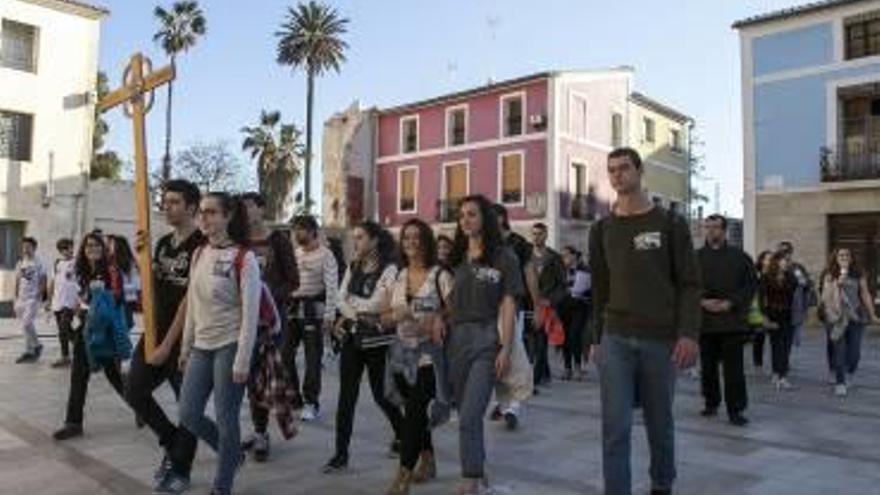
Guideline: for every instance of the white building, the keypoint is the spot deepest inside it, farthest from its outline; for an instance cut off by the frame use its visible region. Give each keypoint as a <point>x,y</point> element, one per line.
<point>48,70</point>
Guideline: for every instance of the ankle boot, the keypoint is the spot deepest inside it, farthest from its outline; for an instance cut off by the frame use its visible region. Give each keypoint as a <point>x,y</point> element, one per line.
<point>401,483</point>
<point>426,469</point>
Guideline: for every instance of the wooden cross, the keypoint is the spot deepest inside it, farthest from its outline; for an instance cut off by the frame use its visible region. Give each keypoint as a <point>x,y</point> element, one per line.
<point>136,94</point>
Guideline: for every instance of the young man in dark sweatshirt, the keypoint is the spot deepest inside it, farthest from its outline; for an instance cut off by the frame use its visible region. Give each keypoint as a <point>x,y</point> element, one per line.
<point>550,287</point>
<point>646,297</point>
<point>729,282</point>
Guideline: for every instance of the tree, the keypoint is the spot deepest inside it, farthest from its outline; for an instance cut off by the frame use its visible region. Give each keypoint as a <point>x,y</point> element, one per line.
<point>211,166</point>
<point>179,29</point>
<point>277,149</point>
<point>311,38</point>
<point>105,164</point>
<point>696,171</point>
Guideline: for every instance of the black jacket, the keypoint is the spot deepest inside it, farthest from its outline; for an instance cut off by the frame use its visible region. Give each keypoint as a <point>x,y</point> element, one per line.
<point>728,273</point>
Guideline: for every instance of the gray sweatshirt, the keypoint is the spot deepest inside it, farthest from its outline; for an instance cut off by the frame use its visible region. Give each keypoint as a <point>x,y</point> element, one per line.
<point>220,310</point>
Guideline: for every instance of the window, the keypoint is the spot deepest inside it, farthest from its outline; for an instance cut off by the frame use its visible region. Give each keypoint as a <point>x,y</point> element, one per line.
<point>19,46</point>
<point>657,200</point>
<point>16,131</point>
<point>407,186</point>
<point>456,126</point>
<point>578,179</point>
<point>577,122</point>
<point>512,115</point>
<point>863,36</point>
<point>409,134</point>
<point>649,130</point>
<point>675,140</point>
<point>511,177</point>
<point>616,130</point>
<point>455,187</point>
<point>10,243</point>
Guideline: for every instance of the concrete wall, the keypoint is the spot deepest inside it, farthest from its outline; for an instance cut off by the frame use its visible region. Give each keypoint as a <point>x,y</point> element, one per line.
<point>348,150</point>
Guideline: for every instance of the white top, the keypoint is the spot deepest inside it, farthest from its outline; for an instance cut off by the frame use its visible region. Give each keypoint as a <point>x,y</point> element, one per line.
<point>425,303</point>
<point>318,274</point>
<point>31,273</point>
<point>65,289</point>
<point>220,310</point>
<point>131,285</point>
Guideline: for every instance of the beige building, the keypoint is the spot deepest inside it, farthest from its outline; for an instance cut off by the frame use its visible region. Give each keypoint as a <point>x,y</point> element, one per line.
<point>661,135</point>
<point>48,70</point>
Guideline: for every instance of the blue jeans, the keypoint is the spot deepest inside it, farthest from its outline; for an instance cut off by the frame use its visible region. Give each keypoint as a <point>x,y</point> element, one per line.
<point>207,371</point>
<point>847,351</point>
<point>629,366</point>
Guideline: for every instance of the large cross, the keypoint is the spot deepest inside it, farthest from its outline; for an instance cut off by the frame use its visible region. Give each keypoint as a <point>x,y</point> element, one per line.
<point>136,94</point>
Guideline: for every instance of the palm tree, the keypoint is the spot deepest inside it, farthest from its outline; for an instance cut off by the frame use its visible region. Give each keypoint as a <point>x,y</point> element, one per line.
<point>310,38</point>
<point>179,29</point>
<point>278,151</point>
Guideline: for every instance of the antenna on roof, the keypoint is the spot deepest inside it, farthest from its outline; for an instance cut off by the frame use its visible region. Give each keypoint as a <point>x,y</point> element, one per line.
<point>492,21</point>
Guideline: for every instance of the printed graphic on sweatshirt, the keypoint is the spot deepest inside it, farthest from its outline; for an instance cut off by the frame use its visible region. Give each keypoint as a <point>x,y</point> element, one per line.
<point>648,241</point>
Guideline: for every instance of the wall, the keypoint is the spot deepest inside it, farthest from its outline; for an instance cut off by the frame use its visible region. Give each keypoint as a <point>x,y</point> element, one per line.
<point>348,150</point>
<point>665,169</point>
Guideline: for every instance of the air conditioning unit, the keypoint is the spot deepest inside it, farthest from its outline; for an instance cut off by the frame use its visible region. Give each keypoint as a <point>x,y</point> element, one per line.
<point>538,120</point>
<point>536,204</point>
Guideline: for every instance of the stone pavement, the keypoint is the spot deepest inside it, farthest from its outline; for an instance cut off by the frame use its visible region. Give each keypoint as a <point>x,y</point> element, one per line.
<point>800,442</point>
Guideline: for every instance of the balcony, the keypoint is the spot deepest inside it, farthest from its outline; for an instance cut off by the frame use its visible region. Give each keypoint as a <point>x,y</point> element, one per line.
<point>851,162</point>
<point>447,210</point>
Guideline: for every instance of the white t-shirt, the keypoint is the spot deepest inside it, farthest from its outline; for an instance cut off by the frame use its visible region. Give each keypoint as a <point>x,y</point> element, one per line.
<point>65,294</point>
<point>31,273</point>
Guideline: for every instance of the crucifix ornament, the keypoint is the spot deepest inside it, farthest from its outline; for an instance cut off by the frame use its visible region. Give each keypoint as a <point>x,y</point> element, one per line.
<point>136,96</point>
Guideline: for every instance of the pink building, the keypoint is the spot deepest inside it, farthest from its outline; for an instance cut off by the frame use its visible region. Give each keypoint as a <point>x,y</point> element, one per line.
<point>536,144</point>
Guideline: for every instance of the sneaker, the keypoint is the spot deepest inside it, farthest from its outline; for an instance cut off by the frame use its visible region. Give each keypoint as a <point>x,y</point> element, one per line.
<point>261,447</point>
<point>511,421</point>
<point>496,413</point>
<point>709,412</point>
<point>784,384</point>
<point>840,390</point>
<point>163,469</point>
<point>171,484</point>
<point>336,464</point>
<point>737,419</point>
<point>310,413</point>
<point>25,358</point>
<point>67,432</point>
<point>774,379</point>
<point>62,362</point>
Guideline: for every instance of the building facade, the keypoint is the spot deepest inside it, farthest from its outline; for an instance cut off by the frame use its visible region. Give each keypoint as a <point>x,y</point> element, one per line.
<point>811,120</point>
<point>537,144</point>
<point>48,71</point>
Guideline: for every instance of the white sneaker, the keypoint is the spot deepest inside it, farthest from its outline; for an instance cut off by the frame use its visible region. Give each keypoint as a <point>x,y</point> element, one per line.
<point>840,390</point>
<point>310,413</point>
<point>784,384</point>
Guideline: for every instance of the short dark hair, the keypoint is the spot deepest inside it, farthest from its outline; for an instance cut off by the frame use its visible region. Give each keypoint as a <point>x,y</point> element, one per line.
<point>786,247</point>
<point>305,222</point>
<point>715,217</point>
<point>630,153</point>
<point>501,211</point>
<point>254,196</point>
<point>29,240</point>
<point>540,226</point>
<point>64,243</point>
<point>189,191</point>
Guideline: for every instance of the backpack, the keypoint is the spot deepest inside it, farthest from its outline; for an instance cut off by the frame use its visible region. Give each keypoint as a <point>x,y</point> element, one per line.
<point>268,319</point>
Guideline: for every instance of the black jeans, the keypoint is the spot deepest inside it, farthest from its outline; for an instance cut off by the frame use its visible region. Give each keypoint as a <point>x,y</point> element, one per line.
<point>780,344</point>
<point>64,319</point>
<point>759,337</point>
<point>416,432</point>
<point>310,334</point>
<point>725,349</point>
<point>143,380</point>
<point>575,314</point>
<point>538,354</point>
<point>352,362</point>
<point>79,380</point>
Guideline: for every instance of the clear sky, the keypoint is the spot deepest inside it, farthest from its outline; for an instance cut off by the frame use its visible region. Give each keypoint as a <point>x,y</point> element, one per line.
<point>684,53</point>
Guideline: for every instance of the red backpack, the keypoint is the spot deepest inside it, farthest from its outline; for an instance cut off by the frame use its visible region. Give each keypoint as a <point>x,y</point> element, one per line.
<point>268,319</point>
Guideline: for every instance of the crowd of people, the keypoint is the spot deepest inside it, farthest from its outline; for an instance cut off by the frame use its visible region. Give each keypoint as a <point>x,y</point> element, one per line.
<point>441,325</point>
